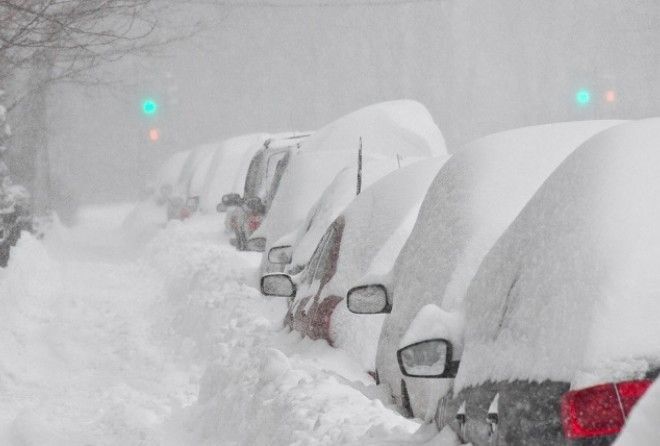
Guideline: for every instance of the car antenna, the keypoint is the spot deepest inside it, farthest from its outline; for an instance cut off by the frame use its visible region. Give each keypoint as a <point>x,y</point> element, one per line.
<point>359,169</point>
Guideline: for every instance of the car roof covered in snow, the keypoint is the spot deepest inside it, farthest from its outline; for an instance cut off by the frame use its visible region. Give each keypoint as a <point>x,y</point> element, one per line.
<point>339,194</point>
<point>404,127</point>
<point>228,168</point>
<point>475,196</point>
<point>571,290</point>
<point>398,130</point>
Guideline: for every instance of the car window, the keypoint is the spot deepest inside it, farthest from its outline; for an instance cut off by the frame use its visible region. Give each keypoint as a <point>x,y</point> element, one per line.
<point>327,264</point>
<point>276,166</point>
<point>310,270</point>
<point>252,180</point>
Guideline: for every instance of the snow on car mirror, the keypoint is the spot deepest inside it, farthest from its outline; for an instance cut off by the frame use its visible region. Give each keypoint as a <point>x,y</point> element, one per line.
<point>278,284</point>
<point>368,299</point>
<point>431,358</point>
<point>256,244</point>
<point>280,255</point>
<point>232,199</point>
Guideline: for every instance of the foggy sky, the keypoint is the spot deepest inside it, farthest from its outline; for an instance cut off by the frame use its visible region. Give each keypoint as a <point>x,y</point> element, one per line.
<point>480,66</point>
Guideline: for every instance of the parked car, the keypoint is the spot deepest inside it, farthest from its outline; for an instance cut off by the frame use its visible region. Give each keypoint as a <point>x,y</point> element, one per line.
<point>178,206</point>
<point>368,234</point>
<point>561,330</point>
<point>167,176</point>
<point>245,213</point>
<point>228,168</point>
<point>292,252</point>
<point>399,131</point>
<point>473,199</point>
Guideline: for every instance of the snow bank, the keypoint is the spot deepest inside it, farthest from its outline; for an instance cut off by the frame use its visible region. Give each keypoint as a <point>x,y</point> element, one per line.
<point>642,426</point>
<point>262,386</point>
<point>584,253</point>
<point>473,199</point>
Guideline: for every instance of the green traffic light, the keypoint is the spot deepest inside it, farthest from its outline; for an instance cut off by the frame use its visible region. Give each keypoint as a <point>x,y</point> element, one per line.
<point>583,97</point>
<point>149,107</point>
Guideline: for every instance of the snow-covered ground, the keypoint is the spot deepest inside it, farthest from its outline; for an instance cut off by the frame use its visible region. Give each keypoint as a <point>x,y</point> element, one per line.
<point>167,343</point>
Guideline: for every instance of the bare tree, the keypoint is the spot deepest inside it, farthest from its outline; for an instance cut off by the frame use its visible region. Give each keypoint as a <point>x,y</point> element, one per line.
<point>47,41</point>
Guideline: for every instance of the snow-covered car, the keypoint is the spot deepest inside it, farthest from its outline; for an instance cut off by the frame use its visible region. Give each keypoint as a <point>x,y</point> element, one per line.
<point>367,235</point>
<point>245,213</point>
<point>167,176</point>
<point>228,169</point>
<point>401,131</point>
<point>561,320</point>
<point>292,252</point>
<point>178,204</point>
<point>473,199</point>
<point>642,427</point>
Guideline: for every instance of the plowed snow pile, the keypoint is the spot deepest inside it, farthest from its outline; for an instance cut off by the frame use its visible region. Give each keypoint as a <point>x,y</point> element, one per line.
<point>166,344</point>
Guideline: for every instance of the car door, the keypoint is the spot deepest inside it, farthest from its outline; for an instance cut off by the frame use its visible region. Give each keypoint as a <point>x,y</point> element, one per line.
<point>323,305</point>
<point>298,311</point>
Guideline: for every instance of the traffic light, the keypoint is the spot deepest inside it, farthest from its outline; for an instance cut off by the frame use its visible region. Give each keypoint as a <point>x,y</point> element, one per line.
<point>610,96</point>
<point>583,97</point>
<point>154,134</point>
<point>149,107</point>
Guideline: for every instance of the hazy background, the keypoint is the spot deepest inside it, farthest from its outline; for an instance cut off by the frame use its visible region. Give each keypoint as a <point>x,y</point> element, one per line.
<point>480,66</point>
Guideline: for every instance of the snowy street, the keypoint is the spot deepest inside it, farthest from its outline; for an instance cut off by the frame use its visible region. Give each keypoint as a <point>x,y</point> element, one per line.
<point>166,343</point>
<point>329,222</point>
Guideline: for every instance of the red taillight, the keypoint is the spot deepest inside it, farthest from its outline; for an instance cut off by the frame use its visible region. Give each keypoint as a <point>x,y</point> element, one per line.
<point>253,222</point>
<point>600,410</point>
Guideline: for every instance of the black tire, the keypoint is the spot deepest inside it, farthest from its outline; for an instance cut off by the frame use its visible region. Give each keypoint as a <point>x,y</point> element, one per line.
<point>241,241</point>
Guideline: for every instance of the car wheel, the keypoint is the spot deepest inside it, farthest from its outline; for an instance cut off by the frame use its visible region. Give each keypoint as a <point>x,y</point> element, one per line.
<point>241,242</point>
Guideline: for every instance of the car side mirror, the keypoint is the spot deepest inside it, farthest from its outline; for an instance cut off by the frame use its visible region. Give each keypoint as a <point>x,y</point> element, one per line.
<point>368,299</point>
<point>232,199</point>
<point>255,205</point>
<point>431,358</point>
<point>278,284</point>
<point>280,255</point>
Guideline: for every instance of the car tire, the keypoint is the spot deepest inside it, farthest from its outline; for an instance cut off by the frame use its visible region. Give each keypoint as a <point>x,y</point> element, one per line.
<point>241,242</point>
